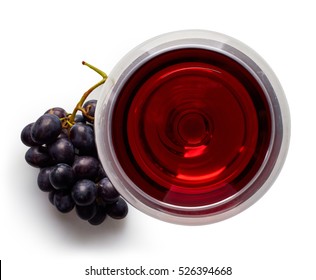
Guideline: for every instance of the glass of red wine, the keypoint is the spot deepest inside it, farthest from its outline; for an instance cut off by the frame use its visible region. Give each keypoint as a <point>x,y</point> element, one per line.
<point>192,127</point>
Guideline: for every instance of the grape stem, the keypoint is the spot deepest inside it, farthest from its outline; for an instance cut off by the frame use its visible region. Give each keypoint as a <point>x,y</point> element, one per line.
<point>100,72</point>
<point>79,107</point>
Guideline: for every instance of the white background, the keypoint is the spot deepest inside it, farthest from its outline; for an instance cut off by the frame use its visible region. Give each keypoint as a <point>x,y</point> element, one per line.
<point>42,44</point>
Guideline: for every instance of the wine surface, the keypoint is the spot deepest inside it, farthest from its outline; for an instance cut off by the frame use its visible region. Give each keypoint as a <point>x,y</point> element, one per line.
<point>191,127</point>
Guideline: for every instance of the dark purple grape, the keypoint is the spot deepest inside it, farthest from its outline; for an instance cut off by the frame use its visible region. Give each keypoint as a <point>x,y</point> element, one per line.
<point>57,111</point>
<point>51,196</point>
<point>106,191</point>
<point>84,192</point>
<point>82,137</point>
<point>63,134</point>
<point>79,119</point>
<point>118,210</point>
<point>26,136</point>
<point>101,174</point>
<point>43,181</point>
<point>63,201</point>
<point>46,129</point>
<point>89,106</point>
<point>99,216</point>
<point>86,212</point>
<point>37,156</point>
<point>62,176</point>
<point>86,167</point>
<point>62,151</point>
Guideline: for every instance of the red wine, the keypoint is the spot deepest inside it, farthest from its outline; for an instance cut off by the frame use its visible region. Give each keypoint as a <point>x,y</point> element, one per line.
<point>191,127</point>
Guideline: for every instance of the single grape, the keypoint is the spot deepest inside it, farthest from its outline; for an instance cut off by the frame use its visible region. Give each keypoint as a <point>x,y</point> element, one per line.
<point>101,173</point>
<point>79,119</point>
<point>51,196</point>
<point>46,129</point>
<point>62,151</point>
<point>84,192</point>
<point>63,201</point>
<point>86,212</point>
<point>26,136</point>
<point>106,191</point>
<point>59,112</point>
<point>89,107</point>
<point>118,210</point>
<point>82,137</point>
<point>37,156</point>
<point>62,176</point>
<point>43,181</point>
<point>99,216</point>
<point>63,134</point>
<point>86,167</point>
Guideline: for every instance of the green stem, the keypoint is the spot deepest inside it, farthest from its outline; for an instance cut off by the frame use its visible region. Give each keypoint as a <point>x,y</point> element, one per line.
<point>103,75</point>
<point>86,94</point>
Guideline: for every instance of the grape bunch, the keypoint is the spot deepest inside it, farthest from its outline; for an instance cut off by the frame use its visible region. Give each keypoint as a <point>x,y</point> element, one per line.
<point>62,146</point>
